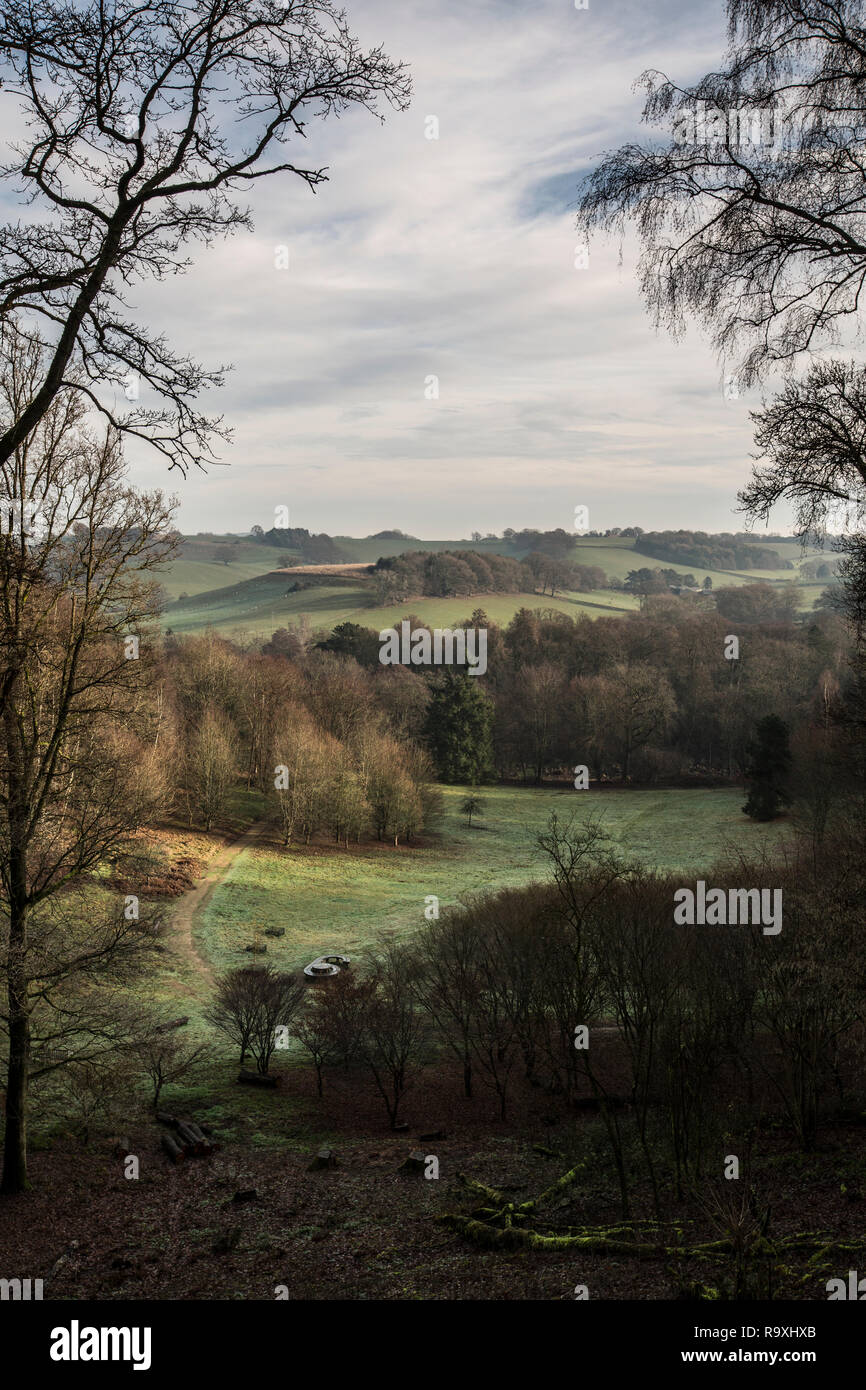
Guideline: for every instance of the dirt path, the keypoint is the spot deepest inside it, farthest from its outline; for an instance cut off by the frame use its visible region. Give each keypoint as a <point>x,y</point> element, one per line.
<point>188,907</point>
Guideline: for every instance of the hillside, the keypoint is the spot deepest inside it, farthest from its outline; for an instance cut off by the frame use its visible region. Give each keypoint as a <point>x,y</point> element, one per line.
<point>252,594</point>
<point>197,571</point>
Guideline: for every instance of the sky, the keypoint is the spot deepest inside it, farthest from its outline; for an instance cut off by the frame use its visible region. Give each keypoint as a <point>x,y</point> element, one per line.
<point>454,258</point>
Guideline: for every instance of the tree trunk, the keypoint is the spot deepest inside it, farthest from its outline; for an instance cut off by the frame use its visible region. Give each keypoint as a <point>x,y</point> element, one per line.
<point>15,1144</point>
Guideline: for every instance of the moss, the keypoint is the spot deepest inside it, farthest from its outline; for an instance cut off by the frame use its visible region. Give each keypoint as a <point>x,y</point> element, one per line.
<point>592,1241</point>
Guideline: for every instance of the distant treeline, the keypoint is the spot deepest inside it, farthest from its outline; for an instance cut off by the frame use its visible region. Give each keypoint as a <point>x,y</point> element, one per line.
<point>346,746</point>
<point>315,549</point>
<point>460,573</point>
<point>649,697</point>
<point>557,543</point>
<point>721,552</point>
<point>448,573</point>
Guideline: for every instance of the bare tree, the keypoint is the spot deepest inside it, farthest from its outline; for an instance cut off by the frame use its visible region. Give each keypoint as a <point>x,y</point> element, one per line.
<point>78,727</point>
<point>209,767</point>
<point>250,1005</point>
<point>629,708</point>
<point>447,982</point>
<point>311,1028</point>
<point>812,438</point>
<point>494,1034</point>
<point>166,1058</point>
<point>393,1033</point>
<point>587,872</point>
<point>810,998</point>
<point>234,1007</point>
<point>342,1006</point>
<point>280,997</point>
<point>752,210</point>
<point>812,442</point>
<point>143,124</point>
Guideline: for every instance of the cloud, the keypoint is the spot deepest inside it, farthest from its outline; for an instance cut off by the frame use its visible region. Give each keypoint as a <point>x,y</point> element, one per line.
<point>455,258</point>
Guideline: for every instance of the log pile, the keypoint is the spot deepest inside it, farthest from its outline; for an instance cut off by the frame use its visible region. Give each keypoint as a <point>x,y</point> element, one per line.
<point>187,1141</point>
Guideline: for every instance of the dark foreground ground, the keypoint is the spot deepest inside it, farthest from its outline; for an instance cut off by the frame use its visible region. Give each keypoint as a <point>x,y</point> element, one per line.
<point>253,1217</point>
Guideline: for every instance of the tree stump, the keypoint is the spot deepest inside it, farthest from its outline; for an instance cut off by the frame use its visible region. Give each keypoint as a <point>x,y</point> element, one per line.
<point>415,1163</point>
<point>325,1158</point>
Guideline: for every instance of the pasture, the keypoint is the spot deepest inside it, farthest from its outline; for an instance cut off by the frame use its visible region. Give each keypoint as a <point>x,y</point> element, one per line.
<point>329,899</point>
<point>246,599</point>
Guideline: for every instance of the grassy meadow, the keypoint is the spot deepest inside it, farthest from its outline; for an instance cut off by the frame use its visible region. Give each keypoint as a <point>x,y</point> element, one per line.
<point>257,607</point>
<point>328,899</point>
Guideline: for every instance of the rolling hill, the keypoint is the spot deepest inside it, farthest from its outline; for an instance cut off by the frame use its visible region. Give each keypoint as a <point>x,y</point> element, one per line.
<point>259,598</point>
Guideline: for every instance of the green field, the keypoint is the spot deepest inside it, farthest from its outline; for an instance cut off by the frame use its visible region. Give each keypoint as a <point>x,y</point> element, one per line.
<point>246,598</point>
<point>196,570</point>
<point>616,556</point>
<point>330,899</point>
<point>260,605</point>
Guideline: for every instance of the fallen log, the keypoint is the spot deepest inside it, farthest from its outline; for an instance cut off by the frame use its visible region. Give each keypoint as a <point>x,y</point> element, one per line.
<point>256,1078</point>
<point>188,1138</point>
<point>172,1148</point>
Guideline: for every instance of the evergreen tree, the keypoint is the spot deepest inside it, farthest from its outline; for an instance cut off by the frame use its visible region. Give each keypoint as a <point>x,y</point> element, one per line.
<point>351,639</point>
<point>459,728</point>
<point>769,769</point>
<point>472,805</point>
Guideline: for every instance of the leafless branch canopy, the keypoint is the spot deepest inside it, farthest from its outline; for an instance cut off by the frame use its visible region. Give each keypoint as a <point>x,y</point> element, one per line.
<point>752,217</point>
<point>142,125</point>
<point>812,438</point>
